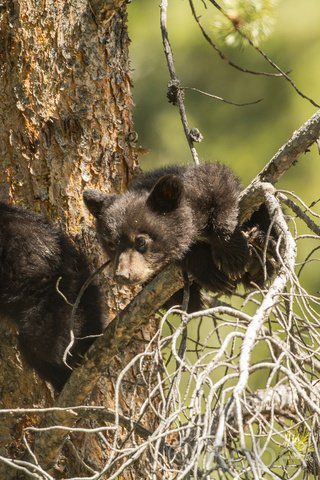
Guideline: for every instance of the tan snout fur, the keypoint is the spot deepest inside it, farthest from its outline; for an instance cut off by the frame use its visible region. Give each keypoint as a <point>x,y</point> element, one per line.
<point>131,267</point>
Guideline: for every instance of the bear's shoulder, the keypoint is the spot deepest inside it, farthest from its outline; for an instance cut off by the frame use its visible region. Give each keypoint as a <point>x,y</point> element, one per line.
<point>147,180</point>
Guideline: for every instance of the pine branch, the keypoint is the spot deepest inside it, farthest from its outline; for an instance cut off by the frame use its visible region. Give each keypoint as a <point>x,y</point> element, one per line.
<point>286,156</point>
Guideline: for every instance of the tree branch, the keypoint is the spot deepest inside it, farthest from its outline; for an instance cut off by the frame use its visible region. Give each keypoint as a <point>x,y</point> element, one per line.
<point>221,54</point>
<point>278,285</point>
<point>263,54</point>
<point>153,296</point>
<point>301,140</point>
<point>174,85</point>
<point>116,336</point>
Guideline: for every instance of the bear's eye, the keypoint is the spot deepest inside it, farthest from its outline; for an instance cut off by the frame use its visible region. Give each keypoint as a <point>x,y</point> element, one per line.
<point>140,244</point>
<point>111,246</point>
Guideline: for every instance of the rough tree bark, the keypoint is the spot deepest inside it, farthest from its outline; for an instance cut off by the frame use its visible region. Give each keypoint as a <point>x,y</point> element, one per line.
<point>66,124</point>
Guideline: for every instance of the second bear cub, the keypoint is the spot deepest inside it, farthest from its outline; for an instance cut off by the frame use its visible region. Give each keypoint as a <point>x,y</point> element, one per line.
<point>186,214</point>
<point>37,260</point>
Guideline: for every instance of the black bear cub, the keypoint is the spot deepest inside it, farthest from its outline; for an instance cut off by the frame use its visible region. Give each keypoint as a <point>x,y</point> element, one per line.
<point>185,214</point>
<point>34,255</point>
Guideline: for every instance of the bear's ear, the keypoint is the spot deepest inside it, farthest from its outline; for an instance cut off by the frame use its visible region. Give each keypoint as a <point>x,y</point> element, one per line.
<point>166,194</point>
<point>94,201</point>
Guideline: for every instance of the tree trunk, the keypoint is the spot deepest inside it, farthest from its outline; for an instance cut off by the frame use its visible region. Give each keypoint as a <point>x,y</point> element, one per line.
<point>66,124</point>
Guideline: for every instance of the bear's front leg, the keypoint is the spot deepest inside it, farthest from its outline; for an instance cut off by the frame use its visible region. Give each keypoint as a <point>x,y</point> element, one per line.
<point>230,253</point>
<point>199,262</point>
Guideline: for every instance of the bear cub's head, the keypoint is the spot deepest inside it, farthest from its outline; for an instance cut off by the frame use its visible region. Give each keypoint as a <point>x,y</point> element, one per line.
<point>142,231</point>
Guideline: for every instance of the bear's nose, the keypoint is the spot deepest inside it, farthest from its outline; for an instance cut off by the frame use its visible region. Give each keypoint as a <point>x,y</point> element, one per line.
<point>122,270</point>
<point>122,276</point>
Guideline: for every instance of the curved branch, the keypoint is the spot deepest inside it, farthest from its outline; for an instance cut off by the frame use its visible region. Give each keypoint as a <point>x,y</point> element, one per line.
<point>301,140</point>
<point>288,259</point>
<point>262,313</point>
<point>300,213</point>
<point>116,336</point>
<point>263,54</point>
<point>175,82</point>
<point>153,296</point>
<point>221,54</point>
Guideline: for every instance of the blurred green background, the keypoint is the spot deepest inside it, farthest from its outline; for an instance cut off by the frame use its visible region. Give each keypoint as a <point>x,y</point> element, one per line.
<point>243,137</point>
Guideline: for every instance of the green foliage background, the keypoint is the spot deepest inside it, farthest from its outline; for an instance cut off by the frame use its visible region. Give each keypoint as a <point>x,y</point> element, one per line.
<point>246,137</point>
<point>243,137</point>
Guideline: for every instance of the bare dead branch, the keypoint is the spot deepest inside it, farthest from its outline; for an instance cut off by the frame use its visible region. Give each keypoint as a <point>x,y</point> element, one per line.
<point>299,143</point>
<point>97,413</point>
<point>264,55</point>
<point>278,285</point>
<point>300,213</point>
<point>222,99</point>
<point>121,330</point>
<point>115,338</point>
<point>282,399</point>
<point>175,82</point>
<point>221,54</point>
<point>75,307</point>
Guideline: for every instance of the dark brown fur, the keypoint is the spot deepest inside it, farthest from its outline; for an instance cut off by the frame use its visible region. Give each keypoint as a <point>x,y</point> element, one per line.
<point>185,214</point>
<point>34,254</point>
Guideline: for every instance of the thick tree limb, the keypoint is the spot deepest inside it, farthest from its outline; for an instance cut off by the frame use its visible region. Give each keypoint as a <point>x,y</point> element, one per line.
<point>150,299</point>
<point>116,336</point>
<point>286,156</point>
<point>282,399</point>
<point>299,143</point>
